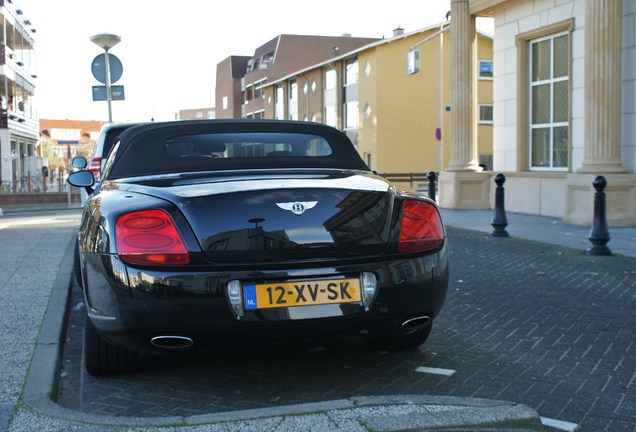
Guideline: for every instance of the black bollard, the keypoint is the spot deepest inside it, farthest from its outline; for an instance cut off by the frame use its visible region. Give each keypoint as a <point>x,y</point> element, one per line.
<point>599,234</point>
<point>499,221</point>
<point>431,184</point>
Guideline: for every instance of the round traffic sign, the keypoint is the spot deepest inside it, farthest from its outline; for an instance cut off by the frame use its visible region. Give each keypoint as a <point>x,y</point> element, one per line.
<point>438,134</point>
<point>98,67</point>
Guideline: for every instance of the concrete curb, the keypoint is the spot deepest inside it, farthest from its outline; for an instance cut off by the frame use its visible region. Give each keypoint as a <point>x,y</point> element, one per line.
<point>375,413</point>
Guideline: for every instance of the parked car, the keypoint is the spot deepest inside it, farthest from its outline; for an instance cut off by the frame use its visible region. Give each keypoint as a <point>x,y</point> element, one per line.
<point>105,141</point>
<point>107,136</point>
<point>209,231</point>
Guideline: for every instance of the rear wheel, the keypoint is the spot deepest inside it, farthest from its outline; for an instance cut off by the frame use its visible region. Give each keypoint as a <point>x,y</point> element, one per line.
<point>102,358</point>
<point>401,342</point>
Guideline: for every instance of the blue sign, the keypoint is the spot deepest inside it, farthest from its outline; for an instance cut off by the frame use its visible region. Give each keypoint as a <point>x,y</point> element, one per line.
<point>485,68</point>
<point>98,67</point>
<point>116,93</point>
<point>438,134</point>
<point>250,297</point>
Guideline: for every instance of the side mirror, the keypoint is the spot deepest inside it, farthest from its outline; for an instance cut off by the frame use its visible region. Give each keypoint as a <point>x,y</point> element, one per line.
<point>82,178</point>
<point>79,162</point>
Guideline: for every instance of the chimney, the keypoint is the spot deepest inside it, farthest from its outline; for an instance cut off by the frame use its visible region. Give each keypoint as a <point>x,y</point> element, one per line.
<point>399,31</point>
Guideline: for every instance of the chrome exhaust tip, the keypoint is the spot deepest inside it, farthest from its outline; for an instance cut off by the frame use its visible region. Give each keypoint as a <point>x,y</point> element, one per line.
<point>418,321</point>
<point>172,342</point>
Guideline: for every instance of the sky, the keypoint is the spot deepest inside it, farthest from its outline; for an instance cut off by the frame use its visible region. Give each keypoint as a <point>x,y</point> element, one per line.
<point>169,49</point>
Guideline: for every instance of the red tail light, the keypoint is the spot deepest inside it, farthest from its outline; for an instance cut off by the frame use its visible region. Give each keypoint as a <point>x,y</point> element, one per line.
<point>150,237</point>
<point>95,166</point>
<point>422,227</point>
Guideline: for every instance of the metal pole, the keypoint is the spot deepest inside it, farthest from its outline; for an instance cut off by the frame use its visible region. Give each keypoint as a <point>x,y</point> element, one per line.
<point>108,92</point>
<point>441,101</point>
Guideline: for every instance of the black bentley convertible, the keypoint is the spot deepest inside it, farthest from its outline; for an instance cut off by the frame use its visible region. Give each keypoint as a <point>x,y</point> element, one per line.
<point>205,232</point>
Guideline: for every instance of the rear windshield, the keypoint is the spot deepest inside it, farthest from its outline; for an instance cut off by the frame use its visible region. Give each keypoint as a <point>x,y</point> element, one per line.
<point>167,154</point>
<point>246,145</point>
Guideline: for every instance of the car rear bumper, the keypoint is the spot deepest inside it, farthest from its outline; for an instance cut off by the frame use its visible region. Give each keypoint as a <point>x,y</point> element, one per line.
<point>130,306</point>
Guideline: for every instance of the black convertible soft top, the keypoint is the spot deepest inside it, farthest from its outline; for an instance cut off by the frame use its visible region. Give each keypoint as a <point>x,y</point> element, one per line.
<point>234,144</point>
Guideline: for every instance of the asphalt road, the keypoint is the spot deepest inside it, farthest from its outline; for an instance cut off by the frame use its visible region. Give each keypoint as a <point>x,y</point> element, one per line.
<point>528,322</point>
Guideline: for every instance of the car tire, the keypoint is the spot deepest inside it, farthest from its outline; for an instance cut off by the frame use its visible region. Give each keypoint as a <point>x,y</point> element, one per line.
<point>102,358</point>
<point>402,341</point>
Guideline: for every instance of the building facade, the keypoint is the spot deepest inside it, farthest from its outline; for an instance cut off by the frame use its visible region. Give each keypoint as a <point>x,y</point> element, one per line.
<point>18,118</point>
<point>391,115</point>
<point>240,79</point>
<point>197,114</point>
<point>228,94</point>
<point>564,108</point>
<point>65,139</point>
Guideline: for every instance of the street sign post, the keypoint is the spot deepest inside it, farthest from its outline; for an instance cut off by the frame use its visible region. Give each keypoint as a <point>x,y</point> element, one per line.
<point>116,93</point>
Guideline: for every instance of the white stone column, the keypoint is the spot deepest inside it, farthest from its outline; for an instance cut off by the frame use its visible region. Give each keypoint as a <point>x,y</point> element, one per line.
<point>463,89</point>
<point>462,184</point>
<point>602,137</point>
<point>603,19</point>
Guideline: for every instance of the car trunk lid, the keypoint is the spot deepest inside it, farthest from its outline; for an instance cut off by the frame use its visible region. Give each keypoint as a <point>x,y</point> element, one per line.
<point>253,218</point>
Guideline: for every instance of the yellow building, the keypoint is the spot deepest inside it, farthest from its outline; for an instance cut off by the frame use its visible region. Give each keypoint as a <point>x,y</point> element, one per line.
<point>390,114</point>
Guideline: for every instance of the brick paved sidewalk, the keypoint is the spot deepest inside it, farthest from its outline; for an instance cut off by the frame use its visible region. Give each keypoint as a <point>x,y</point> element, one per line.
<point>527,322</point>
<point>541,325</point>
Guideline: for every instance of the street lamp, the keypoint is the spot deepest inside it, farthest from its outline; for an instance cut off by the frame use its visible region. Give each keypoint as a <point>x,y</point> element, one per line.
<point>413,67</point>
<point>106,41</point>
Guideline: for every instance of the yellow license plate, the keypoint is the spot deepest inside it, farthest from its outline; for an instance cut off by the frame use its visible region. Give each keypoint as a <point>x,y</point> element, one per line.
<point>302,293</point>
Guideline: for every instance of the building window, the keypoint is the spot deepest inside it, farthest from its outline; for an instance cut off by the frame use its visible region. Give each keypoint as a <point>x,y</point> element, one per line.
<point>485,114</point>
<point>351,74</point>
<point>224,102</point>
<point>549,102</point>
<point>544,58</point>
<point>258,93</point>
<point>330,79</point>
<point>351,95</point>
<point>485,69</point>
<point>330,98</point>
<point>279,103</point>
<point>351,115</point>
<point>279,94</point>
<point>331,116</point>
<point>293,100</point>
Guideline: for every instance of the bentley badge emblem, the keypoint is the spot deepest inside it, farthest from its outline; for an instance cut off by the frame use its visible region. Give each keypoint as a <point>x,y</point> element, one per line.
<point>297,207</point>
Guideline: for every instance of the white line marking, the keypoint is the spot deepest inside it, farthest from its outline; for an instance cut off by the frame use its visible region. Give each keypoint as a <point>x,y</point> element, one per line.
<point>559,424</point>
<point>29,222</point>
<point>435,371</point>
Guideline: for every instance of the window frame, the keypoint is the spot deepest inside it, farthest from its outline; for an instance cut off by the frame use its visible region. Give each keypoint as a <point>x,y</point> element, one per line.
<point>485,77</point>
<point>485,122</point>
<point>524,42</point>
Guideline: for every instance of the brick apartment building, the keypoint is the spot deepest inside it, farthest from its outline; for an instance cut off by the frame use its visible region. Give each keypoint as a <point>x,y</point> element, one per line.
<point>239,79</point>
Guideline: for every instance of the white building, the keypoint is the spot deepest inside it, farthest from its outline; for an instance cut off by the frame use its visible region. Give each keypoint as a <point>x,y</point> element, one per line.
<point>564,108</point>
<point>18,122</point>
